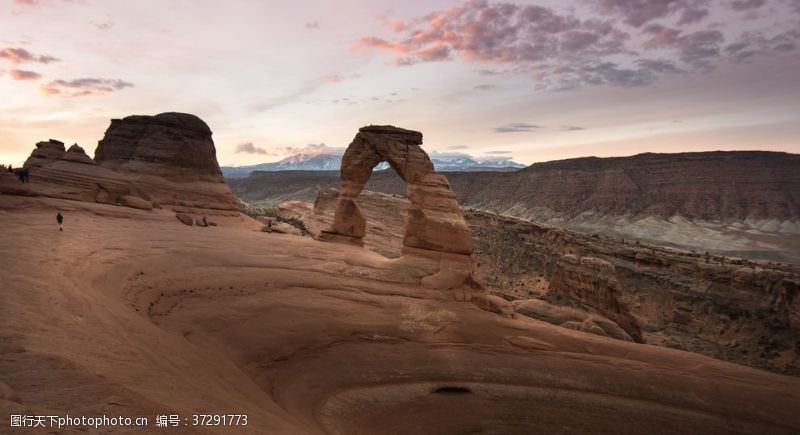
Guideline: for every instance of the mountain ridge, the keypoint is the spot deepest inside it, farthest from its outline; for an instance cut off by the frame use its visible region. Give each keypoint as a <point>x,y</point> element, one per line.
<point>332,161</point>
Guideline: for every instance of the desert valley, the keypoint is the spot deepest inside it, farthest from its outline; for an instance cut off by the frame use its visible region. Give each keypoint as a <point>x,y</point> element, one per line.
<point>368,312</point>
<point>400,217</point>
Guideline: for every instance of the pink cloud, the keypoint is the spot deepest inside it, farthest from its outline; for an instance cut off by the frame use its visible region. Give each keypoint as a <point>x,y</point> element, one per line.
<point>399,25</point>
<point>379,44</point>
<point>562,50</point>
<point>21,55</point>
<point>18,74</point>
<point>84,87</point>
<point>250,148</point>
<point>35,3</point>
<point>313,149</point>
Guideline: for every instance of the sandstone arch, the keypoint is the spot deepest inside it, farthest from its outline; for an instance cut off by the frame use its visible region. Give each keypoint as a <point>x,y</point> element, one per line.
<point>435,227</point>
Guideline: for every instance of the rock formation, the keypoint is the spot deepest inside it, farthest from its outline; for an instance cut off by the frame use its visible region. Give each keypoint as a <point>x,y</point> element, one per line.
<point>144,162</point>
<point>185,218</point>
<point>136,314</point>
<point>732,309</point>
<point>172,157</point>
<point>71,174</point>
<point>435,228</point>
<point>76,154</point>
<point>592,283</point>
<point>175,146</point>
<point>44,153</point>
<point>788,301</point>
<point>572,318</point>
<point>738,203</point>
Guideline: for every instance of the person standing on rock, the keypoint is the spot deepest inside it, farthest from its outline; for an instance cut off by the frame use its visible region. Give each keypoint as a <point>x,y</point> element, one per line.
<point>60,220</point>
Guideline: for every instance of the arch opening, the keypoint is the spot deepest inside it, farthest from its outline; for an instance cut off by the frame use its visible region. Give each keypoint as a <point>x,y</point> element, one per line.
<point>435,227</point>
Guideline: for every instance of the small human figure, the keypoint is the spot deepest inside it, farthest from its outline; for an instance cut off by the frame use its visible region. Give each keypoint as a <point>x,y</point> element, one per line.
<point>60,220</point>
<point>269,225</point>
<point>11,168</point>
<point>26,175</point>
<point>205,221</point>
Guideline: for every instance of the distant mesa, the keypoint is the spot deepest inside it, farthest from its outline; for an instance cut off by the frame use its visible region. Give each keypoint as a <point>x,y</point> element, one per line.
<point>738,203</point>
<point>144,162</point>
<point>435,230</point>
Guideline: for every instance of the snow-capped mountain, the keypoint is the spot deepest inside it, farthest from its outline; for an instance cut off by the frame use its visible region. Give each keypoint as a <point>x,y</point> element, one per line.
<point>309,162</point>
<point>332,162</point>
<point>469,163</point>
<point>297,162</point>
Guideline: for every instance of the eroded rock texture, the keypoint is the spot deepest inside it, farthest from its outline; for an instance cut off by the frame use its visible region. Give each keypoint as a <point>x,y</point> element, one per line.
<point>435,228</point>
<point>731,309</point>
<point>593,284</point>
<point>45,152</point>
<point>71,174</point>
<point>172,157</point>
<point>76,154</point>
<point>144,162</point>
<point>171,145</point>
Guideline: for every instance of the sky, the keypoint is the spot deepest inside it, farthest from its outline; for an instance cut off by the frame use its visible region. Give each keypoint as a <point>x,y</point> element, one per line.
<point>528,80</point>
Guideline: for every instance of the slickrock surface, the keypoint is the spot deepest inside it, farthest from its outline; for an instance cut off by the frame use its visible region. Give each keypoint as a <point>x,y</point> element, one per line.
<point>311,337</point>
<point>435,230</point>
<point>10,185</point>
<point>731,309</point>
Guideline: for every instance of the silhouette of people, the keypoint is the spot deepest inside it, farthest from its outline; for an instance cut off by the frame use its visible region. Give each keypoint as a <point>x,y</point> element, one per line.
<point>60,220</point>
<point>22,174</point>
<point>11,168</point>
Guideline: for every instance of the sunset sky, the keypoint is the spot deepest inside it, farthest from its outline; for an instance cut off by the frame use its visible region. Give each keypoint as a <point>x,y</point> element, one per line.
<point>532,80</point>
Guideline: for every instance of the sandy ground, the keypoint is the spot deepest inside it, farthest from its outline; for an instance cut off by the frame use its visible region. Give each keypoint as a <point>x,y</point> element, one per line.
<point>131,313</point>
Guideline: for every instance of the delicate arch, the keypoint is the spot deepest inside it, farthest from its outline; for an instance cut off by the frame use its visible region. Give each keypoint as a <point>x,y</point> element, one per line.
<point>435,222</point>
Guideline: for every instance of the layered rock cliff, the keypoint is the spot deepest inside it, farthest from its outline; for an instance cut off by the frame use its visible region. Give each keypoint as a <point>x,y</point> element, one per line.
<point>175,146</point>
<point>164,161</point>
<point>733,203</point>
<point>591,283</point>
<point>172,157</point>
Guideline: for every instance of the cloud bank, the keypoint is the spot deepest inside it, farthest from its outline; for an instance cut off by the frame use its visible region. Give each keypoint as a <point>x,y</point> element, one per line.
<point>624,43</point>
